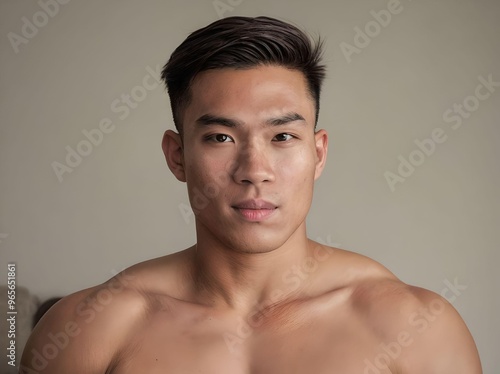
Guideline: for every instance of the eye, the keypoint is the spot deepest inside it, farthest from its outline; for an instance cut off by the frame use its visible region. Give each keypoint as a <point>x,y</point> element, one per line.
<point>283,137</point>
<point>219,138</point>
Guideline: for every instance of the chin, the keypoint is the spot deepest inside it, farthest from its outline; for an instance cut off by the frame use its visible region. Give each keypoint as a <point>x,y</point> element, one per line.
<point>248,237</point>
<point>252,249</point>
<point>256,242</point>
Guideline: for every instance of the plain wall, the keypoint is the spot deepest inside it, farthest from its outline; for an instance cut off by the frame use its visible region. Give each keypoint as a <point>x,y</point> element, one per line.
<point>120,204</point>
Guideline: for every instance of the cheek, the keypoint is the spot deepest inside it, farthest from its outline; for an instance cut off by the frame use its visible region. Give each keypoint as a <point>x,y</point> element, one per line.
<point>298,166</point>
<point>203,171</point>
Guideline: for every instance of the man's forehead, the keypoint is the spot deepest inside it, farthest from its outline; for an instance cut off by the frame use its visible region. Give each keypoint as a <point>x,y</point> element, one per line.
<point>265,91</point>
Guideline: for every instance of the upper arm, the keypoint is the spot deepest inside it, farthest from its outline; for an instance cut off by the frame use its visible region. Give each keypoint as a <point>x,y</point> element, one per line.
<point>61,341</point>
<point>415,330</point>
<point>442,341</point>
<point>81,333</point>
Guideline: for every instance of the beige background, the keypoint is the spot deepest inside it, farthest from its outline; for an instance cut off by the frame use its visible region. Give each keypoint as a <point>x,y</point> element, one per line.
<point>120,205</point>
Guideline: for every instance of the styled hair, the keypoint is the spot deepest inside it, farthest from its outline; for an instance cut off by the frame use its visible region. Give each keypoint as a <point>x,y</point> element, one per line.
<point>241,43</point>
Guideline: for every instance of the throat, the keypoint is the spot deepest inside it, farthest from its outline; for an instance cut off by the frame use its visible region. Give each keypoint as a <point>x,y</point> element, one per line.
<point>241,281</point>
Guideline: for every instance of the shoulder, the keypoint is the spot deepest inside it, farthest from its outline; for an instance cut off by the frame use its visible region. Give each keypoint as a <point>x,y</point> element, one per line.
<point>416,329</point>
<point>343,269</point>
<point>85,331</point>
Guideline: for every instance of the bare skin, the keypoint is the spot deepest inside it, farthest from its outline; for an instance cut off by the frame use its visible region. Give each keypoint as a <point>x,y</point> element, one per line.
<point>254,295</point>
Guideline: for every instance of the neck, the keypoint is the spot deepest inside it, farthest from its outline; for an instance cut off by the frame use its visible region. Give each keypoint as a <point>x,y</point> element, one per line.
<point>227,277</point>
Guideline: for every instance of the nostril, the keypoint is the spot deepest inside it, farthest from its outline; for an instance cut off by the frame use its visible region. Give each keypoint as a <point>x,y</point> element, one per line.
<point>250,169</point>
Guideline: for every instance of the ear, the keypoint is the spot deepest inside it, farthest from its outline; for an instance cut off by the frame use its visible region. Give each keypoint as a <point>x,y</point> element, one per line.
<point>321,143</point>
<point>174,154</point>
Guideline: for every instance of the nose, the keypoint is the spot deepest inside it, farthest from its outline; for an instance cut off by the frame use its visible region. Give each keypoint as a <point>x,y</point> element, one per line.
<point>253,166</point>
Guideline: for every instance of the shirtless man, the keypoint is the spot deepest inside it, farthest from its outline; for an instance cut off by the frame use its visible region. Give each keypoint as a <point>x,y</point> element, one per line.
<point>254,295</point>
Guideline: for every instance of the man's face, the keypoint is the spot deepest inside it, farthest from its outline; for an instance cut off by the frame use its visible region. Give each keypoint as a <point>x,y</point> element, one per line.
<point>249,155</point>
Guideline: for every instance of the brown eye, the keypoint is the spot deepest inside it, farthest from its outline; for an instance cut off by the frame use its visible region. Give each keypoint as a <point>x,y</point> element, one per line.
<point>221,138</point>
<point>283,137</point>
<point>218,138</point>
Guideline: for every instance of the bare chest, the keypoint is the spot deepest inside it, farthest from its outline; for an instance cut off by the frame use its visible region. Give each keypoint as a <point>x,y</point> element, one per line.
<point>207,344</point>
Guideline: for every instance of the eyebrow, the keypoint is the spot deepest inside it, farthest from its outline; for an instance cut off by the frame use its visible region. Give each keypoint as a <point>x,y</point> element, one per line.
<point>210,119</point>
<point>287,118</point>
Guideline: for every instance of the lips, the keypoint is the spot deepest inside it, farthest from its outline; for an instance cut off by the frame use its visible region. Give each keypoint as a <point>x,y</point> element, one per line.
<point>255,204</point>
<point>255,210</point>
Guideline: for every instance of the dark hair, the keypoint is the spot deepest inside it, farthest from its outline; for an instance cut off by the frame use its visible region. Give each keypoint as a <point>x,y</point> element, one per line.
<point>239,43</point>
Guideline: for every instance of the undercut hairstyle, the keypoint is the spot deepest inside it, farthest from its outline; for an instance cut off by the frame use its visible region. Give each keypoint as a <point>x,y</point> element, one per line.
<point>241,43</point>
